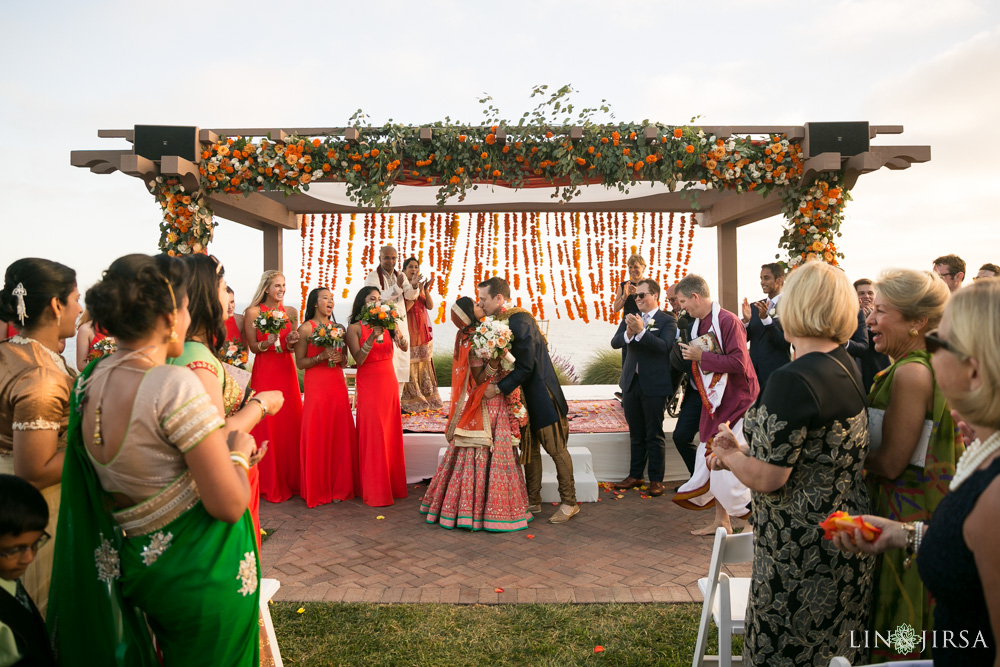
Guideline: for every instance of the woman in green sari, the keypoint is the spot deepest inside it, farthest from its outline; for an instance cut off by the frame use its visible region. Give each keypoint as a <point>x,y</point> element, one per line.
<point>915,446</point>
<point>157,533</point>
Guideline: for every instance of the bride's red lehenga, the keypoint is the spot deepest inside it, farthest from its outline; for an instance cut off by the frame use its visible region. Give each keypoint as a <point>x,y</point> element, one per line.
<point>478,487</point>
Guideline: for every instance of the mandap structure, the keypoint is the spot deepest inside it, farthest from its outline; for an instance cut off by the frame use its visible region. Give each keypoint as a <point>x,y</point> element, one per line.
<point>557,209</point>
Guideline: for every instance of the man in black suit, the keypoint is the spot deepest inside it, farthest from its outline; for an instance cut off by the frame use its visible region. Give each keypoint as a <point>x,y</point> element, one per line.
<point>543,399</point>
<point>869,361</point>
<point>646,385</point>
<point>769,350</point>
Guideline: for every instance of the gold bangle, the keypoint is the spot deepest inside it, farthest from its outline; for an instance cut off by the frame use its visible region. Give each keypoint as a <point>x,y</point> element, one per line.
<point>911,544</point>
<point>240,459</point>
<point>263,408</point>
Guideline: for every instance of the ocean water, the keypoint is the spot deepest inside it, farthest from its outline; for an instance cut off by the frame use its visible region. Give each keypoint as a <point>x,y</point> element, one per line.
<point>574,340</point>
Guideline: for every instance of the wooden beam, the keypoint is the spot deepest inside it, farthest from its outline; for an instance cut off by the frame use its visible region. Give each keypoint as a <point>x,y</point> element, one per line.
<point>255,211</point>
<point>741,208</point>
<point>819,163</point>
<point>172,165</point>
<point>91,159</point>
<point>272,249</point>
<point>138,166</point>
<point>729,294</point>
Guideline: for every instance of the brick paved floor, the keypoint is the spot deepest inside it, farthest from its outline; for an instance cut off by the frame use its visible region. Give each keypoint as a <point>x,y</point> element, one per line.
<point>627,550</point>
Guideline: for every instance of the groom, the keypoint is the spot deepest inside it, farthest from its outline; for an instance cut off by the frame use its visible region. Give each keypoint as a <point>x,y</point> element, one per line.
<point>543,398</point>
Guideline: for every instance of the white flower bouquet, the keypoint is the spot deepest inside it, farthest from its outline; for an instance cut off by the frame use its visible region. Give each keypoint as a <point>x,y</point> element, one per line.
<point>492,340</point>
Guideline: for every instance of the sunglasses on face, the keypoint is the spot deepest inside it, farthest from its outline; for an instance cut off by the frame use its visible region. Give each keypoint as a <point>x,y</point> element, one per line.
<point>933,342</point>
<point>641,295</point>
<point>17,551</point>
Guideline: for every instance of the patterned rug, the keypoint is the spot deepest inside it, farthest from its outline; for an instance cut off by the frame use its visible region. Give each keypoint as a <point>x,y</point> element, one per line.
<point>584,417</point>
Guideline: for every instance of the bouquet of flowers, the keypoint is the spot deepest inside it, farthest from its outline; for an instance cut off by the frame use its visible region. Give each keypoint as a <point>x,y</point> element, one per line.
<point>331,335</point>
<point>518,414</point>
<point>271,322</point>
<point>380,314</point>
<point>491,340</point>
<point>842,521</point>
<point>234,352</point>
<point>102,348</point>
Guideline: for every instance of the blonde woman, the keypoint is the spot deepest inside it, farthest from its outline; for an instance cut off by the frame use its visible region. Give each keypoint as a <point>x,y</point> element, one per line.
<point>957,552</point>
<point>916,446</point>
<point>807,443</point>
<point>274,369</point>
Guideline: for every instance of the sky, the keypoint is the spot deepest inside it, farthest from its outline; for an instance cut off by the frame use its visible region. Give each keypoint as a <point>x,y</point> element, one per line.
<point>73,68</point>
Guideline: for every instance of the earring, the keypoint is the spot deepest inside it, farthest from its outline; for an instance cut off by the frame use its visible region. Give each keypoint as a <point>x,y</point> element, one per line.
<point>913,333</point>
<point>59,319</point>
<point>173,335</point>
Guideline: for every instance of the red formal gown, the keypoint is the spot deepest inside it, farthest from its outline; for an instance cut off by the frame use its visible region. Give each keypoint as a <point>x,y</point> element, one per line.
<point>329,442</point>
<point>380,426</point>
<point>279,470</point>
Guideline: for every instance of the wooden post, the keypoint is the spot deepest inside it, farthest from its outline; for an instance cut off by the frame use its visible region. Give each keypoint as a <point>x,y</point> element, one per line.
<point>272,248</point>
<point>729,295</point>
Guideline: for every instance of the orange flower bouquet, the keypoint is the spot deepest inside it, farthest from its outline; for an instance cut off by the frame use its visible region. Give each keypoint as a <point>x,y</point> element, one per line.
<point>842,521</point>
<point>380,314</point>
<point>329,336</point>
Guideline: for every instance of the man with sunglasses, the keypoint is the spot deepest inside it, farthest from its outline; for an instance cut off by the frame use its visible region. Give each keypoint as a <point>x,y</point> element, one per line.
<point>951,268</point>
<point>645,382</point>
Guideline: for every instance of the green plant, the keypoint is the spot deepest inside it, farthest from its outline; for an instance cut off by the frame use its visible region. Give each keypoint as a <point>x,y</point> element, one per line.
<point>442,368</point>
<point>604,367</point>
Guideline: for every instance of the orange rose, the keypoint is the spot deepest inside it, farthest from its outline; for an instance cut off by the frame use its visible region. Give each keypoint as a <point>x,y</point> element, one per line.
<point>678,133</point>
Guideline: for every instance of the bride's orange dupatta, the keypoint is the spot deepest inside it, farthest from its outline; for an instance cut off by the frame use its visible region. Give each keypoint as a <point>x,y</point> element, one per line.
<point>468,420</point>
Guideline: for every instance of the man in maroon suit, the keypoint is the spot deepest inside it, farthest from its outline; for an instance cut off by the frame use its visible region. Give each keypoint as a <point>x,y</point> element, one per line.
<point>727,384</point>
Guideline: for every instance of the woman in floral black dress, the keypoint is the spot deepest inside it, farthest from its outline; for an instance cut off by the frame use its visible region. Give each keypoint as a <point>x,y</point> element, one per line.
<point>808,436</point>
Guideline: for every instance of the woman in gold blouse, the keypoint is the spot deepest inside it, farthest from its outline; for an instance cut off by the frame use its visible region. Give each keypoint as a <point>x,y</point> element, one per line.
<point>42,298</point>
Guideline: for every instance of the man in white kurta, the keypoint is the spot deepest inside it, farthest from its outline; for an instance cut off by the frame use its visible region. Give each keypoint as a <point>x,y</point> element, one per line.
<point>395,289</point>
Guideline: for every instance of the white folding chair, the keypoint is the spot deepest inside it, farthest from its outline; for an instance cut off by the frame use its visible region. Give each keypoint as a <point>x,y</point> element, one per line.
<point>268,587</point>
<point>841,661</point>
<point>725,598</point>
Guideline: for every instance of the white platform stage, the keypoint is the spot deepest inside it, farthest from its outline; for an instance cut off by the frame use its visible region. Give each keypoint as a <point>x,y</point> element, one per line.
<point>609,452</point>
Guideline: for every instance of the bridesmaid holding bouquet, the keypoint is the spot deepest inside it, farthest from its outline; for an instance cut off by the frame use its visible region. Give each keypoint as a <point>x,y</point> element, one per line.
<point>329,442</point>
<point>270,329</point>
<point>380,425</point>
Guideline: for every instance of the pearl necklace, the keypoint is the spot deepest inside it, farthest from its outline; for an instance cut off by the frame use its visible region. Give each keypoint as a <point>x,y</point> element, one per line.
<point>973,458</point>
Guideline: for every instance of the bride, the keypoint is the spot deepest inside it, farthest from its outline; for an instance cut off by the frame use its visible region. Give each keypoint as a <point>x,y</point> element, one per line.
<point>479,484</point>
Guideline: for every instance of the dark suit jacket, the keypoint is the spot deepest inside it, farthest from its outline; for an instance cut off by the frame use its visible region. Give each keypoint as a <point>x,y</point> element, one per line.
<point>652,355</point>
<point>534,374</point>
<point>870,361</point>
<point>769,350</point>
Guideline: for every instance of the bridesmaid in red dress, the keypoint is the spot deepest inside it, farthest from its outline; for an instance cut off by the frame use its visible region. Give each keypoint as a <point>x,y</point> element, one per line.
<point>279,471</point>
<point>329,463</point>
<point>380,426</point>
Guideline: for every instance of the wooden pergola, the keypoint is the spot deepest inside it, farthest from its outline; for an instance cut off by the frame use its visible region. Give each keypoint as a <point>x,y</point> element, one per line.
<point>727,211</point>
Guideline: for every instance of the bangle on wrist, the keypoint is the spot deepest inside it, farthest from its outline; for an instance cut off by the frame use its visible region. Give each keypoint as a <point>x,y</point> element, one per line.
<point>914,536</point>
<point>260,403</point>
<point>240,459</point>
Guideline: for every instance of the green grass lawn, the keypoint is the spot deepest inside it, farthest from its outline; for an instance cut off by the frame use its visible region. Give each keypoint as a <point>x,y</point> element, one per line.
<point>553,635</point>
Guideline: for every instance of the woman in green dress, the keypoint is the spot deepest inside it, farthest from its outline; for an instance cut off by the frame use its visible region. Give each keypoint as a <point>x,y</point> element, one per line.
<point>156,535</point>
<point>914,452</point>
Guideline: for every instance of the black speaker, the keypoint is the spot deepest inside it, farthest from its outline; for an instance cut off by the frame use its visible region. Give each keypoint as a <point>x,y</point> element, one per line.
<point>154,141</point>
<point>848,138</point>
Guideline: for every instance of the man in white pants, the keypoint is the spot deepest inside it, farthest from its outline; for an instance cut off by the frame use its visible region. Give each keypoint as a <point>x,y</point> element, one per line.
<point>395,289</point>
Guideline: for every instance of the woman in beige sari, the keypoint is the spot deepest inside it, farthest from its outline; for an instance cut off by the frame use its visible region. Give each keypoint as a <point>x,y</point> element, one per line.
<point>42,298</point>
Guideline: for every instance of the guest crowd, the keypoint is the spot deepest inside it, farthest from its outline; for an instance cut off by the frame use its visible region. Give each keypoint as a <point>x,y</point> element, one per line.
<point>123,474</point>
<point>880,399</point>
